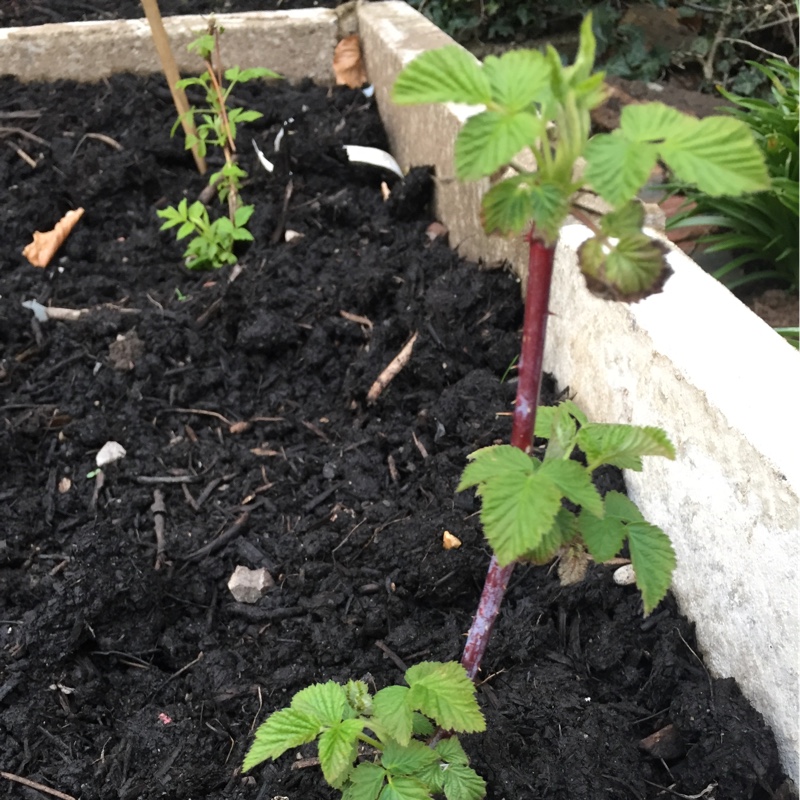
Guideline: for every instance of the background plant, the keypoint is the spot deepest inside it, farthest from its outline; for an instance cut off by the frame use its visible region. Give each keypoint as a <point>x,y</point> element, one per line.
<point>763,228</point>
<point>214,241</point>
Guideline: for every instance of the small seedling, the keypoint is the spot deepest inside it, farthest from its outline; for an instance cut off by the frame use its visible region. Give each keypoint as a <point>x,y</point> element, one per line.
<point>373,746</point>
<point>214,241</point>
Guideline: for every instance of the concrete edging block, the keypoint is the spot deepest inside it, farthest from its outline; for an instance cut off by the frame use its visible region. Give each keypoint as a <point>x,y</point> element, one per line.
<point>692,360</point>
<point>296,44</point>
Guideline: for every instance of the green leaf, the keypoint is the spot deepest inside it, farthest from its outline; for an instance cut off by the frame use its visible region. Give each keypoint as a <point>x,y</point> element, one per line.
<point>584,62</point>
<point>404,788</point>
<point>392,712</point>
<point>545,416</point>
<point>358,697</point>
<point>283,730</point>
<point>242,215</point>
<point>517,79</point>
<point>325,701</point>
<point>653,122</point>
<point>562,429</point>
<point>617,167</point>
<point>185,230</point>
<point>511,205</point>
<point>450,74</point>
<point>444,693</point>
<point>451,751</point>
<point>653,560</point>
<point>490,140</point>
<point>603,537</point>
<point>408,759</point>
<point>365,782</point>
<point>463,783</point>
<point>719,156</point>
<point>338,749</point>
<point>574,481</point>
<point>623,221</point>
<point>628,269</point>
<point>622,445</point>
<point>422,726</point>
<point>563,530</point>
<point>494,462</point>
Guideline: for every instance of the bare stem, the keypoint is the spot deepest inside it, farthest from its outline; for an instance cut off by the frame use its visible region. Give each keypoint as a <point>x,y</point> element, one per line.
<point>537,296</point>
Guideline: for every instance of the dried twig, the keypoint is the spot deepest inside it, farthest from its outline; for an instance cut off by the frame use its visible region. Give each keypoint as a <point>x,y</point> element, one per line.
<point>391,371</point>
<point>159,510</point>
<point>38,786</point>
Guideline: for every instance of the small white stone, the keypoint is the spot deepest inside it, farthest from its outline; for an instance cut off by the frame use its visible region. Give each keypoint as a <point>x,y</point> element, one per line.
<point>625,575</point>
<point>109,452</point>
<point>249,585</point>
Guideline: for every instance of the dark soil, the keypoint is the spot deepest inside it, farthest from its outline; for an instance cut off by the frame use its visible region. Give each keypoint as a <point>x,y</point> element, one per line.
<point>243,402</point>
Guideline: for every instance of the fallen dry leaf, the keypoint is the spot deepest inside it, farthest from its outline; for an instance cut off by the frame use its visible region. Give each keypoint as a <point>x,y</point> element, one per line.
<point>41,250</point>
<point>348,65</point>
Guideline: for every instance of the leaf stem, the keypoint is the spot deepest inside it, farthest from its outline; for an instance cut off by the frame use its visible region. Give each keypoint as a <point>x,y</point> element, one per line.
<point>537,296</point>
<point>370,741</point>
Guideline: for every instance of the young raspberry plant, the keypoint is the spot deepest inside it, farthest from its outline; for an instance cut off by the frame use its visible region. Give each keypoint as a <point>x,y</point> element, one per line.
<point>373,747</point>
<point>213,242</point>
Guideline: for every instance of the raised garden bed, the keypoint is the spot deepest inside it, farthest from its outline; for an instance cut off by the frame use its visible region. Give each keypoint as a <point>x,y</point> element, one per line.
<point>345,504</point>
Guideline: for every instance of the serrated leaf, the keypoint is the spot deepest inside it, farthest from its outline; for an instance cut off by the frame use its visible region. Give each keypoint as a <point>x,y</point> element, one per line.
<point>490,140</point>
<point>518,78</point>
<point>422,726</point>
<point>620,505</point>
<point>365,782</point>
<point>444,693</point>
<point>493,462</point>
<point>622,446</point>
<point>242,215</point>
<point>511,205</point>
<point>603,537</point>
<point>653,560</point>
<point>463,783</point>
<point>628,269</point>
<point>449,74</point>
<point>616,167</point>
<point>325,701</point>
<point>546,414</point>
<point>358,697</point>
<point>572,565</point>
<point>407,759</point>
<point>561,434</point>
<point>517,511</point>
<point>563,530</point>
<point>282,730</point>
<point>404,788</point>
<point>653,122</point>
<point>574,481</point>
<point>451,751</point>
<point>627,219</point>
<point>338,749</point>
<point>718,155</point>
<point>392,712</point>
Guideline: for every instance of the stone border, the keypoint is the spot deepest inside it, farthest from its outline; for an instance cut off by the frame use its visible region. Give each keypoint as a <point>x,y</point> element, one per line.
<point>692,359</point>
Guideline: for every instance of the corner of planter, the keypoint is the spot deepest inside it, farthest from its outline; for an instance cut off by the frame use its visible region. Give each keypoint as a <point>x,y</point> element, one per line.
<point>692,360</point>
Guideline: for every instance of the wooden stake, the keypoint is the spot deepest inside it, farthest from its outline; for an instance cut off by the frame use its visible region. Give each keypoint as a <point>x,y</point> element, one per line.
<point>161,41</point>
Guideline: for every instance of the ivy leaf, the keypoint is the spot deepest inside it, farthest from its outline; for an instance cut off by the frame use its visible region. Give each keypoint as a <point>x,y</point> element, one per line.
<point>338,749</point>
<point>490,140</point>
<point>603,537</point>
<point>622,445</point>
<point>365,782</point>
<point>574,481</point>
<point>408,759</point>
<point>653,560</point>
<point>444,693</point>
<point>392,712</point>
<point>325,701</point>
<point>628,269</point>
<point>463,783</point>
<point>617,167</point>
<point>719,156</point>
<point>449,74</point>
<point>283,730</point>
<point>404,788</point>
<point>517,79</point>
<point>511,205</point>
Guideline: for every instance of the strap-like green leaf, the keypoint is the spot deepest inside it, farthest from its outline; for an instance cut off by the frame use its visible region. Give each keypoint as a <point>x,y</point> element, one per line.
<point>490,140</point>
<point>653,559</point>
<point>283,730</point>
<point>450,74</point>
<point>444,692</point>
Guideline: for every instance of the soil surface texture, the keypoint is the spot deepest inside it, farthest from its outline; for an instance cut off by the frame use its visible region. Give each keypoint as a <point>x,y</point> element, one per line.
<point>127,669</point>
